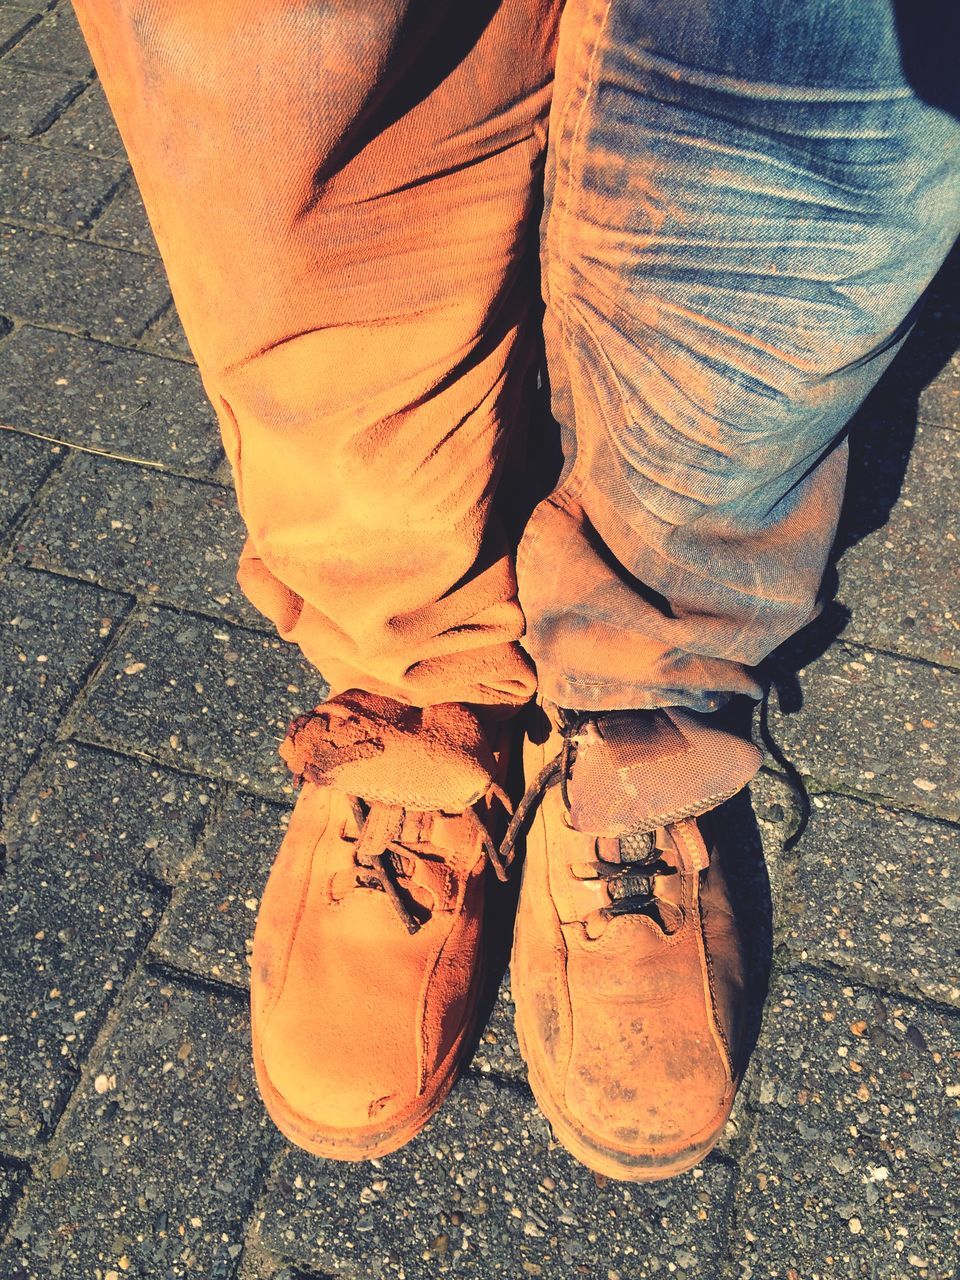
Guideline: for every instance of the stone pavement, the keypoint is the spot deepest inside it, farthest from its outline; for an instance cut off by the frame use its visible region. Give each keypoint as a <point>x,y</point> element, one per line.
<point>143,800</point>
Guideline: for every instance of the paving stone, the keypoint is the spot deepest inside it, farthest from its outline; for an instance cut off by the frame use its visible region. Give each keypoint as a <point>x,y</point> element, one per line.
<point>221,705</point>
<point>156,1167</point>
<point>39,185</point>
<point>96,394</point>
<point>125,222</point>
<point>24,464</point>
<point>30,101</point>
<point>148,820</point>
<point>484,1191</point>
<point>901,581</point>
<point>71,282</point>
<point>208,926</point>
<point>878,724</point>
<point>88,124</point>
<point>52,633</point>
<point>14,24</point>
<point>854,1170</point>
<point>876,889</point>
<point>136,529</point>
<point>78,915</point>
<point>54,45</point>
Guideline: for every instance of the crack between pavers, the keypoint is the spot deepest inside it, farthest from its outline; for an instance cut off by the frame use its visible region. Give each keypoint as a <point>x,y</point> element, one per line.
<point>726,1257</point>
<point>790,960</point>
<point>107,339</point>
<point>953,428</point>
<point>46,122</point>
<point>127,463</point>
<point>823,969</point>
<point>188,978</point>
<point>187,767</point>
<point>866,646</point>
<point>22,518</point>
<point>32,21</point>
<point>188,612</point>
<point>882,800</point>
<point>99,663</point>
<point>100,210</point>
<point>153,319</point>
<point>78,1073</point>
<point>212,817</point>
<point>141,962</point>
<point>144,600</point>
<point>207,478</point>
<point>84,681</point>
<point>70,235</point>
<point>169,310</point>
<point>94,335</point>
<point>38,1160</point>
<point>70,148</point>
<point>83,229</point>
<point>53,748</point>
<point>268,1182</point>
<point>125,183</point>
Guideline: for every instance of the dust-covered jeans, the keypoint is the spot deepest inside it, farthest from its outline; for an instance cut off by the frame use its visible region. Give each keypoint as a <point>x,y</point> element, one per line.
<point>743,202</point>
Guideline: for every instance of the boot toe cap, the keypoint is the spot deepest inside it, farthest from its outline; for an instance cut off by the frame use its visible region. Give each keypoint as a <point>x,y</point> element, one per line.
<point>324,1095</point>
<point>653,1117</point>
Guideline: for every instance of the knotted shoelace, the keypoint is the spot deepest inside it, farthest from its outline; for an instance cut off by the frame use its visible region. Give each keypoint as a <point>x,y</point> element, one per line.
<point>379,853</point>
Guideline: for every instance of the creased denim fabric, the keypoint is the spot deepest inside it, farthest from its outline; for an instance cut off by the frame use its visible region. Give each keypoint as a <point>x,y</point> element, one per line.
<point>745,199</point>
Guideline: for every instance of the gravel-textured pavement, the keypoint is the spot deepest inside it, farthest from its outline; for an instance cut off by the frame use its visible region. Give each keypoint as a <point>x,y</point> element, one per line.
<point>143,799</point>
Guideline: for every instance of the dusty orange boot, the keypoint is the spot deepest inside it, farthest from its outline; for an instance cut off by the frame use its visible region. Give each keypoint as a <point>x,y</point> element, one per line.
<point>626,966</point>
<point>366,957</point>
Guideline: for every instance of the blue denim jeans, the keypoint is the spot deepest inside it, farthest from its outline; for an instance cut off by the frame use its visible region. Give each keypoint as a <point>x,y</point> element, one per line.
<point>744,201</point>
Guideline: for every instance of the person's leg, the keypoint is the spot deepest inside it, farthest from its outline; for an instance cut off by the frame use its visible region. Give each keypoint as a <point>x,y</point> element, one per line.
<point>745,200</point>
<point>341,195</point>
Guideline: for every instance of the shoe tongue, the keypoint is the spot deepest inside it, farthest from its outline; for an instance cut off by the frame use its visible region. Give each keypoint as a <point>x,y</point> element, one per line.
<point>430,758</point>
<point>635,771</point>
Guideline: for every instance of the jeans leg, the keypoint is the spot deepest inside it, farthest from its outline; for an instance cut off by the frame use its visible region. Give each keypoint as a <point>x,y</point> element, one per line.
<point>745,200</point>
<point>342,195</point>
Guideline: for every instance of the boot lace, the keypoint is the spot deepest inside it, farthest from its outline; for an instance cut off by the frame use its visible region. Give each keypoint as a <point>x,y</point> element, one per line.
<point>629,880</point>
<point>382,860</point>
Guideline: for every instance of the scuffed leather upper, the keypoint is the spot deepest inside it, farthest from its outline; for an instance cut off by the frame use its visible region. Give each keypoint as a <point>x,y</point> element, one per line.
<point>354,1016</point>
<point>630,1023</point>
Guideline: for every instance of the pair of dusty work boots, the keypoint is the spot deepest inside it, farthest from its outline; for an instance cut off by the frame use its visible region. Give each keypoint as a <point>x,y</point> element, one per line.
<point>626,968</point>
